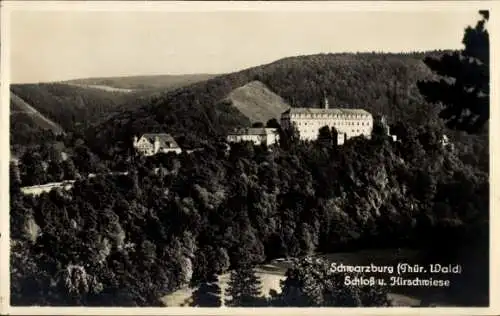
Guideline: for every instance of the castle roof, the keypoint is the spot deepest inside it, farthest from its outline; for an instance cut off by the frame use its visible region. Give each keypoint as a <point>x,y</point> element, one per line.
<point>166,140</point>
<point>338,111</point>
<point>253,131</point>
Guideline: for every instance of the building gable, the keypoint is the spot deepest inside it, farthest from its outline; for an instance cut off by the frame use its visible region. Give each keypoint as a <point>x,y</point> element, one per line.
<point>143,141</point>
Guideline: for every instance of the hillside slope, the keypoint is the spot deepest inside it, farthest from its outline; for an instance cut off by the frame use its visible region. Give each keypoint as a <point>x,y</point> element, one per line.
<point>70,106</point>
<point>257,102</point>
<point>22,112</point>
<point>380,83</point>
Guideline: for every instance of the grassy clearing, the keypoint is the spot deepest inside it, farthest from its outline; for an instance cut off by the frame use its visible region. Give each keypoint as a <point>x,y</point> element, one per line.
<point>271,274</point>
<point>182,297</point>
<point>257,102</point>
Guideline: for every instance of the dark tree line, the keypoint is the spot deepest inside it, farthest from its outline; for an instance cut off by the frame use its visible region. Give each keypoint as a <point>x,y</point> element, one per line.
<point>178,220</point>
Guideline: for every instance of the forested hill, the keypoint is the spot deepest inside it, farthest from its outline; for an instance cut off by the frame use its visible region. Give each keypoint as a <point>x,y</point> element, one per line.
<point>378,82</point>
<point>78,104</point>
<point>69,106</point>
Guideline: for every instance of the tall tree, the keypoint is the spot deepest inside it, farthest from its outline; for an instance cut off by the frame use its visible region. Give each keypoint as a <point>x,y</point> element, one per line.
<point>78,284</point>
<point>273,123</point>
<point>325,135</point>
<point>244,287</point>
<point>32,169</point>
<point>464,88</point>
<point>55,171</point>
<point>14,178</point>
<point>289,137</point>
<point>69,169</point>
<point>311,282</point>
<point>208,294</point>
<point>84,160</point>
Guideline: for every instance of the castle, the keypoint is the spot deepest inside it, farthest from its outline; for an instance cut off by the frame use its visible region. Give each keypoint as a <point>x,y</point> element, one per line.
<point>347,122</point>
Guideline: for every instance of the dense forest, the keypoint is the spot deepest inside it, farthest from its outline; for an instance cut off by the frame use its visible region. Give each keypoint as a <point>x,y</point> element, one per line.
<point>176,220</point>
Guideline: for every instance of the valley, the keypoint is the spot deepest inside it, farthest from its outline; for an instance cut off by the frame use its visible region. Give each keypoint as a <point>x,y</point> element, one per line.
<point>170,222</point>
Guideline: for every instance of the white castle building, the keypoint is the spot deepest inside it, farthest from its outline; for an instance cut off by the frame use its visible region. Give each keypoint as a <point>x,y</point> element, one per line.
<point>348,122</point>
<point>257,135</point>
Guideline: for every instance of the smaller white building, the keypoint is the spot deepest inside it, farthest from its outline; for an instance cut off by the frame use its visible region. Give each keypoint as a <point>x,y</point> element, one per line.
<point>257,135</point>
<point>152,144</point>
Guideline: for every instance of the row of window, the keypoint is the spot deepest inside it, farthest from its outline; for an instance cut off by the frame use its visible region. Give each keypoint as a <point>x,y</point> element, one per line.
<point>335,123</point>
<point>336,116</point>
<point>313,131</point>
<point>148,146</point>
<point>245,137</point>
<point>146,151</point>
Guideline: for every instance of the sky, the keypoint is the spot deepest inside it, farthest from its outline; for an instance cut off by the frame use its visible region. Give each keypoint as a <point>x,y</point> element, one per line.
<point>62,45</point>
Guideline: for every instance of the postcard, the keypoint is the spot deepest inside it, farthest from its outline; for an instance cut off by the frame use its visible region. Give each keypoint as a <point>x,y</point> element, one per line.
<point>248,157</point>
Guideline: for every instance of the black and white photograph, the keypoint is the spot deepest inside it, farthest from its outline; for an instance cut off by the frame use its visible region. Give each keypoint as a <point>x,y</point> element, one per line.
<point>255,155</point>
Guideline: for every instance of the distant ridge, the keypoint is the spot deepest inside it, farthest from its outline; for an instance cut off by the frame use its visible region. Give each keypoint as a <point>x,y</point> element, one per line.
<point>167,82</point>
<point>101,87</point>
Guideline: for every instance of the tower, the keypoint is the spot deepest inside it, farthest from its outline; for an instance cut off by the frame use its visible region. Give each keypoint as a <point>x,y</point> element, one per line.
<point>326,102</point>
